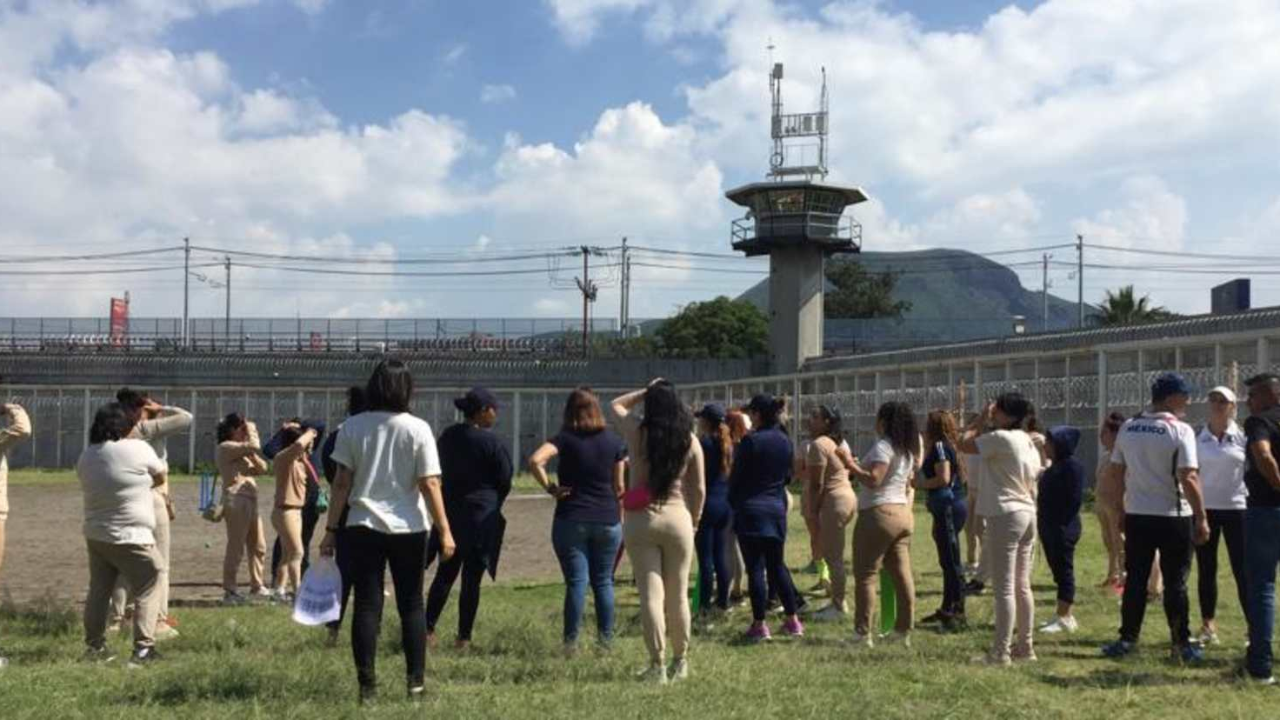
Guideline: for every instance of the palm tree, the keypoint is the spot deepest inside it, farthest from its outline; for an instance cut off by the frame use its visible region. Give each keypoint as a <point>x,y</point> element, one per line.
<point>1123,307</point>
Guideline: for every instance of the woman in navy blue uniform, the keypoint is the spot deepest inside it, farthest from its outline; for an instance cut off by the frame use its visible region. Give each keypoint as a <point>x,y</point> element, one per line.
<point>713,562</point>
<point>476,479</point>
<point>762,467</point>
<point>944,481</point>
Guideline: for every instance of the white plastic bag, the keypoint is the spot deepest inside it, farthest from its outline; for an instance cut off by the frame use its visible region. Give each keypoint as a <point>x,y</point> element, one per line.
<point>320,596</point>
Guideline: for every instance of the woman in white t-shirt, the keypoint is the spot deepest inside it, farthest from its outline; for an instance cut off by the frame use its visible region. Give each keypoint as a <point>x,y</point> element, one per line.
<point>1220,445</point>
<point>882,533</point>
<point>389,479</point>
<point>1011,463</point>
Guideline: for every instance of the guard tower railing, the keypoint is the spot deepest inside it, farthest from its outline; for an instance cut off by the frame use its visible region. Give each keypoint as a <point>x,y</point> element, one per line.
<point>810,225</point>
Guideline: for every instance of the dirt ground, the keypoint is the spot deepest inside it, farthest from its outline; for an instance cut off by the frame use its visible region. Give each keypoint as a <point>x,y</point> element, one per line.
<point>45,554</point>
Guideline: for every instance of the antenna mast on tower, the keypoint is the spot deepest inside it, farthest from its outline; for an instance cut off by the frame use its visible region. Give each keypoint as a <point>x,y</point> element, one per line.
<point>792,159</point>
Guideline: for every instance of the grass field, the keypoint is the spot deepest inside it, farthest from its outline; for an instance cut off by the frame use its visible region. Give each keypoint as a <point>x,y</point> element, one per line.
<point>253,662</point>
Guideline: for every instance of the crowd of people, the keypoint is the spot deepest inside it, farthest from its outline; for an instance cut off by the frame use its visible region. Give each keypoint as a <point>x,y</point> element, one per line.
<point>675,490</point>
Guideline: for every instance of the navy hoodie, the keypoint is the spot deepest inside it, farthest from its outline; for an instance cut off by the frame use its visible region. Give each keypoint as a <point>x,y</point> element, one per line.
<point>1062,485</point>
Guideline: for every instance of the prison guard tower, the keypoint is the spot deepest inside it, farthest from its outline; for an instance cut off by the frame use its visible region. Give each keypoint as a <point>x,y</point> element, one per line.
<point>798,220</point>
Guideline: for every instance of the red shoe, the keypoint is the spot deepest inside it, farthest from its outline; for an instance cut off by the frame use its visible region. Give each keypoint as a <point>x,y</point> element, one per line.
<point>171,621</point>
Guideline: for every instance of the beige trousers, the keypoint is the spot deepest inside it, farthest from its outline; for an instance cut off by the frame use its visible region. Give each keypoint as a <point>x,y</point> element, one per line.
<point>288,525</point>
<point>2,522</point>
<point>139,565</point>
<point>834,515</point>
<point>882,535</point>
<point>1010,547</point>
<point>121,597</point>
<point>1112,524</point>
<point>660,545</point>
<point>244,536</point>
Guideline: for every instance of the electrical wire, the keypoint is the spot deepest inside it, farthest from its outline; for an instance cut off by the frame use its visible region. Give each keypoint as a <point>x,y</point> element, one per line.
<point>20,259</point>
<point>399,273</point>
<point>102,271</point>
<point>441,260</point>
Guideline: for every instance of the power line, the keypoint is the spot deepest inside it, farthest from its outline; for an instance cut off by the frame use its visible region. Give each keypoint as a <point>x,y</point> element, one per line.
<point>441,260</point>
<point>114,271</point>
<point>400,273</point>
<point>17,259</point>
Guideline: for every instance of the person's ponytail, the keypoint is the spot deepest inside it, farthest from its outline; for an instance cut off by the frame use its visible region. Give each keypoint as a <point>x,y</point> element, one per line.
<point>725,439</point>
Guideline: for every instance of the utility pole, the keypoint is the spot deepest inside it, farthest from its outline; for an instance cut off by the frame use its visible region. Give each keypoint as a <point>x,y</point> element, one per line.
<point>624,312</point>
<point>186,288</point>
<point>589,291</point>
<point>227,339</point>
<point>1044,284</point>
<point>1080,278</point>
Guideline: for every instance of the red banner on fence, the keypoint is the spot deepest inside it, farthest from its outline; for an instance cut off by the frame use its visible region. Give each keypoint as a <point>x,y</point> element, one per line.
<point>119,321</point>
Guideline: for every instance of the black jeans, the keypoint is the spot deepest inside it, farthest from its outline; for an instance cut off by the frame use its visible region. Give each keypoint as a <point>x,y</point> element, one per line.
<point>1228,525</point>
<point>765,557</point>
<point>310,517</point>
<point>1144,535</point>
<point>1059,543</point>
<point>948,518</point>
<point>342,557</point>
<point>472,569</point>
<point>370,552</point>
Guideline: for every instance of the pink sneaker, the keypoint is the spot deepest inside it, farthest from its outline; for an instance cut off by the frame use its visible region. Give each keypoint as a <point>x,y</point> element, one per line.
<point>792,628</point>
<point>758,632</point>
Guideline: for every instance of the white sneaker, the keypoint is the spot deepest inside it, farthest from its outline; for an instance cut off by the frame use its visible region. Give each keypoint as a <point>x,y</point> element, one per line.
<point>679,670</point>
<point>896,638</point>
<point>830,613</point>
<point>1066,624</point>
<point>1209,637</point>
<point>4,662</point>
<point>862,641</point>
<point>993,660</point>
<point>656,675</point>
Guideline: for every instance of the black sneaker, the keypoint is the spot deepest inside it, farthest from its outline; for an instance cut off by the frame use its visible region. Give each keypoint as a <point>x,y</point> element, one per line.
<point>954,624</point>
<point>974,588</point>
<point>98,655</point>
<point>143,657</point>
<point>935,619</point>
<point>368,694</point>
<point>417,693</point>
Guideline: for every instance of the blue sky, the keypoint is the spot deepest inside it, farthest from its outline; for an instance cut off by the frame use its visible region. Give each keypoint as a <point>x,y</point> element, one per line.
<point>371,130</point>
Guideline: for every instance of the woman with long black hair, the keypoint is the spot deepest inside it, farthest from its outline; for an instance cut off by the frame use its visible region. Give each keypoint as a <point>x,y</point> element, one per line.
<point>883,531</point>
<point>762,467</point>
<point>830,501</point>
<point>713,561</point>
<point>476,469</point>
<point>663,506</point>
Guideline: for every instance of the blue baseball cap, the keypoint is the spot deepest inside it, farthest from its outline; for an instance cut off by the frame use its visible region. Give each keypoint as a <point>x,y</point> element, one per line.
<point>475,400</point>
<point>1166,385</point>
<point>713,412</point>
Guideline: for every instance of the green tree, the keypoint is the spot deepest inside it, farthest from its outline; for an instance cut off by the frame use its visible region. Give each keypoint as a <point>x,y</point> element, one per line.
<point>862,294</point>
<point>1124,307</point>
<point>720,328</point>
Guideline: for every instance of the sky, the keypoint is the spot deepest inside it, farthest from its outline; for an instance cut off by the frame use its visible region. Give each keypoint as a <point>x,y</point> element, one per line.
<point>475,133</point>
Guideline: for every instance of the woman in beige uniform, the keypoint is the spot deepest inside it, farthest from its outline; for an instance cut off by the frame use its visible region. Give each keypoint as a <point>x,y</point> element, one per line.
<point>1108,500</point>
<point>293,471</point>
<point>662,508</point>
<point>832,501</point>
<point>239,459</point>
<point>17,428</point>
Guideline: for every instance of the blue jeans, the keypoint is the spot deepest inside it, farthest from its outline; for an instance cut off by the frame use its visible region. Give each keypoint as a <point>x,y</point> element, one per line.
<point>1261,555</point>
<point>948,517</point>
<point>713,562</point>
<point>586,552</point>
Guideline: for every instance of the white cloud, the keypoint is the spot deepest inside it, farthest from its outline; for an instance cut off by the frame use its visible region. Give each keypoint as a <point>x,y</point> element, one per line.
<point>633,174</point>
<point>494,94</point>
<point>455,53</point>
<point>579,20</point>
<point>1151,216</point>
<point>1073,90</point>
<point>311,7</point>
